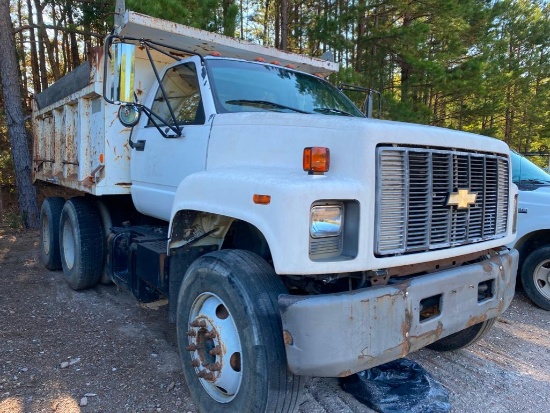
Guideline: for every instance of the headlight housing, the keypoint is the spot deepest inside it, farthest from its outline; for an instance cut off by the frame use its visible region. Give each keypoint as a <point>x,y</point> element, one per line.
<point>333,230</point>
<point>326,220</point>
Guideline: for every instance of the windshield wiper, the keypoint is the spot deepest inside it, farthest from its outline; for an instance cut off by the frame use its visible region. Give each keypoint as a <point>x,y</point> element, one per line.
<point>263,104</point>
<point>332,110</point>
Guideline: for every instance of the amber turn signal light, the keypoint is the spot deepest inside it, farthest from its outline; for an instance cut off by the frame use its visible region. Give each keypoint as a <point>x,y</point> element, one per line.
<point>261,199</point>
<point>316,160</point>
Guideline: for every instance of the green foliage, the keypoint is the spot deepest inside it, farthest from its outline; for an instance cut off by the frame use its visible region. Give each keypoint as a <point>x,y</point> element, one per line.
<point>212,15</point>
<point>97,15</point>
<point>476,65</point>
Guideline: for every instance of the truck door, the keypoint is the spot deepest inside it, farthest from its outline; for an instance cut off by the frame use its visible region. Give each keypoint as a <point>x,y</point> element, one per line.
<point>157,169</point>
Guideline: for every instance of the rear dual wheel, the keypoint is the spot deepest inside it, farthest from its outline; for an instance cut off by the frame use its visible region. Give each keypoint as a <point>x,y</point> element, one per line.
<point>81,243</point>
<point>50,213</point>
<point>230,336</point>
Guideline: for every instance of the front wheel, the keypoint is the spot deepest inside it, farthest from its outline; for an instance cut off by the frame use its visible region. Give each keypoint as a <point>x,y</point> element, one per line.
<point>230,336</point>
<point>535,277</point>
<point>463,338</point>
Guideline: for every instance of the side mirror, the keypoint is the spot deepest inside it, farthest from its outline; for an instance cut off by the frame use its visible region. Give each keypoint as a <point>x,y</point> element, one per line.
<point>122,87</point>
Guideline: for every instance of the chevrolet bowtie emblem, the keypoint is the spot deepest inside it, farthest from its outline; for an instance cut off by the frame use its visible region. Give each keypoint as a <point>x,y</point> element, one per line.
<point>462,199</point>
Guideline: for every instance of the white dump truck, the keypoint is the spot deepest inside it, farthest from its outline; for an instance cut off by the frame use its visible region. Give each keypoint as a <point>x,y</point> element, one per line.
<point>292,235</point>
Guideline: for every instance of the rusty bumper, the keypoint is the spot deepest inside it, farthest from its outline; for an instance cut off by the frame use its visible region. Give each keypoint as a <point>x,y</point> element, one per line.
<point>337,335</point>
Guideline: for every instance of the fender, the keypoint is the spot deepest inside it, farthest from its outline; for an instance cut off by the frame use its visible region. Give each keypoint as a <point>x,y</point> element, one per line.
<point>284,222</point>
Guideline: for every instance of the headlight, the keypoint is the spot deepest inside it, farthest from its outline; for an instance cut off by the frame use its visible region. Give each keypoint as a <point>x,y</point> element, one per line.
<point>326,221</point>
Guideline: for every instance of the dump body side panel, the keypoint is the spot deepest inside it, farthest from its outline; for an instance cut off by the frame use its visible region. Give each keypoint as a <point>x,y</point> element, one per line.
<point>78,141</point>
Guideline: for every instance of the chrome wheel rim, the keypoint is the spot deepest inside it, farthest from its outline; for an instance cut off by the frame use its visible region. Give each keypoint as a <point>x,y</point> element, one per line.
<point>541,278</point>
<point>68,245</point>
<point>215,347</point>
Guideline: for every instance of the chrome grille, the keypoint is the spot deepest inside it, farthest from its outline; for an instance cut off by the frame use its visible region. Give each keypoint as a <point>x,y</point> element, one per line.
<point>412,189</point>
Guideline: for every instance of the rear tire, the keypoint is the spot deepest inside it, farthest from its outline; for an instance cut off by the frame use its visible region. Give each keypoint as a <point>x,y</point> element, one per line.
<point>81,243</point>
<point>50,214</point>
<point>535,277</point>
<point>230,336</point>
<point>463,338</point>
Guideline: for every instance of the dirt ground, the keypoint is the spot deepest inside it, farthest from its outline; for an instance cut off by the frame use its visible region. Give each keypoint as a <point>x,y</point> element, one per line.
<point>100,351</point>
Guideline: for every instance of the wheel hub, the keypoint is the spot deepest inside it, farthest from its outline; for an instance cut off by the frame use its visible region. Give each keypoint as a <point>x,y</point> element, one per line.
<point>215,347</point>
<point>541,277</point>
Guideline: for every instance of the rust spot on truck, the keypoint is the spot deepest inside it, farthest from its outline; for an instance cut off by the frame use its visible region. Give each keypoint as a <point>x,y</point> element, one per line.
<point>287,338</point>
<point>345,373</point>
<point>405,333</point>
<point>476,320</point>
<point>430,336</point>
<point>488,267</point>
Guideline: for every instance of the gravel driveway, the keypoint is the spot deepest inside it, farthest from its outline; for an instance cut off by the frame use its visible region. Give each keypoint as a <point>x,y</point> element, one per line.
<point>100,351</point>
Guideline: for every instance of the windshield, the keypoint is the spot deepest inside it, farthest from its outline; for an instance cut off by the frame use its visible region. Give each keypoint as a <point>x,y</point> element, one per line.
<point>240,86</point>
<point>524,172</point>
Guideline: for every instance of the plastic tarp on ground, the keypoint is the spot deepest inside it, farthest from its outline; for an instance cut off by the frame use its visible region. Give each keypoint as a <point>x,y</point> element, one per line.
<point>399,386</point>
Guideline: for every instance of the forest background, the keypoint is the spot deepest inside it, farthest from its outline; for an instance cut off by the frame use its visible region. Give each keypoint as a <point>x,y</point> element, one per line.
<point>476,65</point>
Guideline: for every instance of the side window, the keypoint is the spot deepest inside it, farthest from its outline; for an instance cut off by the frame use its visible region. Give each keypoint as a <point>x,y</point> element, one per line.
<point>183,96</point>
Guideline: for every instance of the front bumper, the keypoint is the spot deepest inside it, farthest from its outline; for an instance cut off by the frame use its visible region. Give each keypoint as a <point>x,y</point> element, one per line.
<point>336,335</point>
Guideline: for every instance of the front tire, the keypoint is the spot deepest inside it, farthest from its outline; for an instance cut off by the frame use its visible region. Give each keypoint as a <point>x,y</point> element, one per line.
<point>230,336</point>
<point>81,242</point>
<point>535,277</point>
<point>463,338</point>
<point>50,213</point>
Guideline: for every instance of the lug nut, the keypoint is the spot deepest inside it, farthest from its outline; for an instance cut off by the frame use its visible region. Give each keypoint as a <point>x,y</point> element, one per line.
<point>201,374</point>
<point>198,323</point>
<point>209,376</point>
<point>216,351</point>
<point>215,367</point>
<point>195,363</point>
<point>191,333</point>
<point>210,334</point>
<point>191,347</point>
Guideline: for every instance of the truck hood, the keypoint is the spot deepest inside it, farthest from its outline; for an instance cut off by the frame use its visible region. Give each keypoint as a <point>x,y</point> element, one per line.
<point>267,139</point>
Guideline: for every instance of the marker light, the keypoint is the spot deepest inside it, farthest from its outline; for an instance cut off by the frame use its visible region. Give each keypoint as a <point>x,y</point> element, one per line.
<point>316,160</point>
<point>261,199</point>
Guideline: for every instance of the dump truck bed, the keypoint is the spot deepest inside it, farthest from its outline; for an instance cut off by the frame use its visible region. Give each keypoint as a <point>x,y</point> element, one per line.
<point>201,42</point>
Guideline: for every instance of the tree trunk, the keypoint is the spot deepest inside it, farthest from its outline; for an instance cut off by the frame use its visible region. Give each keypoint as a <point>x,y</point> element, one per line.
<point>241,20</point>
<point>22,50</point>
<point>41,49</point>
<point>44,41</point>
<point>75,57</point>
<point>266,26</point>
<point>284,25</point>
<point>15,120</point>
<point>34,55</point>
